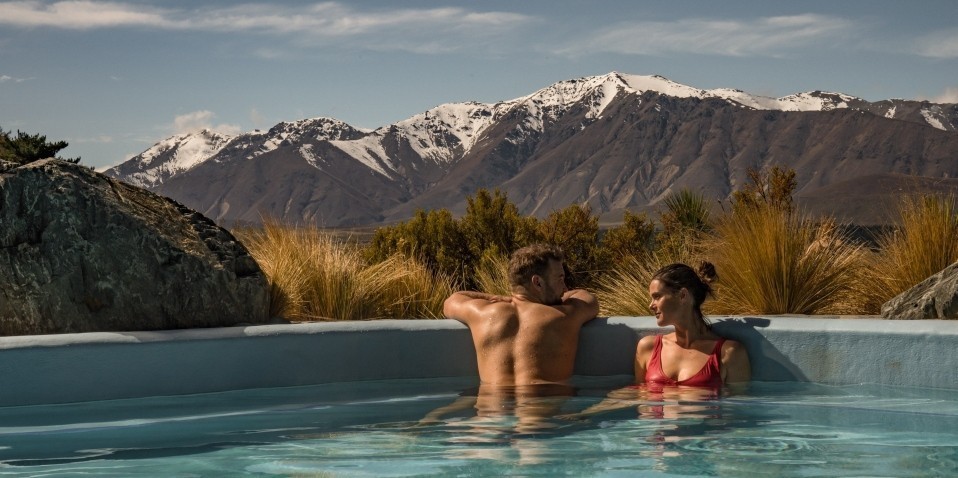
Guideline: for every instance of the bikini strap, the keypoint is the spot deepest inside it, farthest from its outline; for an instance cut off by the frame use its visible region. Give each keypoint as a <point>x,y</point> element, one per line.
<point>717,350</point>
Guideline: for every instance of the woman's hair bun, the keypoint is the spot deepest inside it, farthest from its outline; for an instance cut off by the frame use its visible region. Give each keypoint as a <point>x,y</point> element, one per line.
<point>706,272</point>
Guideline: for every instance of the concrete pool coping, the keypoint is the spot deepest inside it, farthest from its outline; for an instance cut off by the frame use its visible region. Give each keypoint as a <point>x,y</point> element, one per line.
<point>48,369</point>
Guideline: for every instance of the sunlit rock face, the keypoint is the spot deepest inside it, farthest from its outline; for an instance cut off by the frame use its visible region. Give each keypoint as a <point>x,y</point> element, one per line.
<point>81,252</point>
<point>934,298</point>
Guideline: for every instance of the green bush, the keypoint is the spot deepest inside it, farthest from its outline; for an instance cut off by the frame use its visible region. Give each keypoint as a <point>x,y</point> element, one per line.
<point>491,226</point>
<point>576,230</point>
<point>26,148</point>
<point>635,237</point>
<point>432,237</point>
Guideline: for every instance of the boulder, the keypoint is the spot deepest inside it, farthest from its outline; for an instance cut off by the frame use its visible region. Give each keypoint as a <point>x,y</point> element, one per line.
<point>81,252</point>
<point>934,298</point>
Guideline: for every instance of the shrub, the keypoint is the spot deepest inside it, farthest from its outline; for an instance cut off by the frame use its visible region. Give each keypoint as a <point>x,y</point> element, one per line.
<point>633,238</point>
<point>771,187</point>
<point>26,148</point>
<point>491,226</point>
<point>492,223</point>
<point>432,237</point>
<point>576,230</point>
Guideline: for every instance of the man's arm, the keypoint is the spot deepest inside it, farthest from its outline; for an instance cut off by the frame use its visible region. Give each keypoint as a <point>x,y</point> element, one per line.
<point>580,305</point>
<point>466,306</point>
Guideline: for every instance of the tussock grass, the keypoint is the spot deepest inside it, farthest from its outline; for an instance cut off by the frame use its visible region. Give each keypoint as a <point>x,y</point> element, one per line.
<point>492,274</point>
<point>770,261</point>
<point>925,243</point>
<point>406,289</point>
<point>624,290</point>
<point>314,276</point>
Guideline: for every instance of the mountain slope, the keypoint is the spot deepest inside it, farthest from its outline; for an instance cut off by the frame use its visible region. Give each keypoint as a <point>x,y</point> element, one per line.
<point>613,141</point>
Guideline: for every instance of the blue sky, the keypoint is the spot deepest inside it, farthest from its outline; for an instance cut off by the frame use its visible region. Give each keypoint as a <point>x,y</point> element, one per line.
<point>113,78</point>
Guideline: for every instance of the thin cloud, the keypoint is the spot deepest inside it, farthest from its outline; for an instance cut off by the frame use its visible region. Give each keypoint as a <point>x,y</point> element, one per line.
<point>257,118</point>
<point>102,139</point>
<point>200,120</point>
<point>940,44</point>
<point>398,28</point>
<point>82,15</point>
<point>8,78</point>
<point>769,36</point>
<point>949,96</point>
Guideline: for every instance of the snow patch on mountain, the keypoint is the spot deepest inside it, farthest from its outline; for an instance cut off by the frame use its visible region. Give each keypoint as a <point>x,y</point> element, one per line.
<point>306,151</point>
<point>171,156</point>
<point>369,151</point>
<point>445,132</point>
<point>932,117</point>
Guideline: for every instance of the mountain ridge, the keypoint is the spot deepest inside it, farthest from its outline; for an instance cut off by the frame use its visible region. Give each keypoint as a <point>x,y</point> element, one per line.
<point>614,141</point>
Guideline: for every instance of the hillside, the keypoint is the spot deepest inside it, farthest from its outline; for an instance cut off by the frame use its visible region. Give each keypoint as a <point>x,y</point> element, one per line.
<point>614,142</point>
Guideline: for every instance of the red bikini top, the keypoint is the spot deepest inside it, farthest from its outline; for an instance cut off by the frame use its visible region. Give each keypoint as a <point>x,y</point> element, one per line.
<point>709,376</point>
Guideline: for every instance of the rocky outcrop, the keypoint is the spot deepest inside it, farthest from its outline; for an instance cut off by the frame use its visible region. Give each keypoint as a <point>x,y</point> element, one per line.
<point>82,252</point>
<point>934,298</point>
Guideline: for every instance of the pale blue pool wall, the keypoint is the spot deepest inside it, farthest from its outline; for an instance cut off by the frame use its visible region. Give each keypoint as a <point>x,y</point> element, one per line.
<point>101,366</point>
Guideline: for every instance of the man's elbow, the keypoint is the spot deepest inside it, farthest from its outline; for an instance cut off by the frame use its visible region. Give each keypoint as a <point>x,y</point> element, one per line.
<point>451,305</point>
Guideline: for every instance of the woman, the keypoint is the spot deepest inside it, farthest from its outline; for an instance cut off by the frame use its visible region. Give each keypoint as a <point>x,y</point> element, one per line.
<point>692,355</point>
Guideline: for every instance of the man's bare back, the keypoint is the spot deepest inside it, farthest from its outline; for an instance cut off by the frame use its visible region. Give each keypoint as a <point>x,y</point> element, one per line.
<point>521,339</point>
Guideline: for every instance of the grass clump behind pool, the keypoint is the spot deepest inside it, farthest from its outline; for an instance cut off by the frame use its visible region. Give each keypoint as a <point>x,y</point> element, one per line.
<point>315,276</point>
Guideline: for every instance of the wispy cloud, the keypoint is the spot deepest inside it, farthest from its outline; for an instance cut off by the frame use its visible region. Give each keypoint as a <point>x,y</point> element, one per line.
<point>8,78</point>
<point>426,30</point>
<point>768,36</point>
<point>257,118</point>
<point>200,120</point>
<point>82,15</point>
<point>949,96</point>
<point>102,139</point>
<point>939,44</point>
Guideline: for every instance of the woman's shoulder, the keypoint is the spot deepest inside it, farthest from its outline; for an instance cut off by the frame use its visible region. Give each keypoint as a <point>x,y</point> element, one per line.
<point>647,342</point>
<point>730,344</point>
<point>732,349</point>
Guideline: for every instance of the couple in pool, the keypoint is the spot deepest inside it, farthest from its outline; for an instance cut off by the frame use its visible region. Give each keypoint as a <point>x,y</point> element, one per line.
<point>530,338</point>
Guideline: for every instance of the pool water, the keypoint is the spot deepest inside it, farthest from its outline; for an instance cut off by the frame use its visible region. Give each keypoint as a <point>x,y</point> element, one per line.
<point>446,427</point>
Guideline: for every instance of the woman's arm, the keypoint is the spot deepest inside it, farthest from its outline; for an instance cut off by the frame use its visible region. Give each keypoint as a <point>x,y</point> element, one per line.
<point>643,352</point>
<point>735,364</point>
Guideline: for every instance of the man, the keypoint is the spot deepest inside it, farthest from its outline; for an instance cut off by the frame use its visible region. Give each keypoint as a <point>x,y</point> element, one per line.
<point>531,336</point>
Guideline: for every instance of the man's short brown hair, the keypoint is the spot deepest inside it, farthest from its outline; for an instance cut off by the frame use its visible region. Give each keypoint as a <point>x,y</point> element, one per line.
<point>532,260</point>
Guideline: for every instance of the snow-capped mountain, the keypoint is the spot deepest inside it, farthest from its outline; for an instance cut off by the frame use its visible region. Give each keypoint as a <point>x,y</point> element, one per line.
<point>614,141</point>
<point>169,157</point>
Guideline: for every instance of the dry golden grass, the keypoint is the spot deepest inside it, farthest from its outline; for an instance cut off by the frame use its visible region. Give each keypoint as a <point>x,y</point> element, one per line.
<point>314,276</point>
<point>770,261</point>
<point>492,275</point>
<point>925,243</point>
<point>624,290</point>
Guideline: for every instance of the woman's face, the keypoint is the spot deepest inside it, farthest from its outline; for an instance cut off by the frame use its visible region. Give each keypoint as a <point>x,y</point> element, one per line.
<point>666,303</point>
